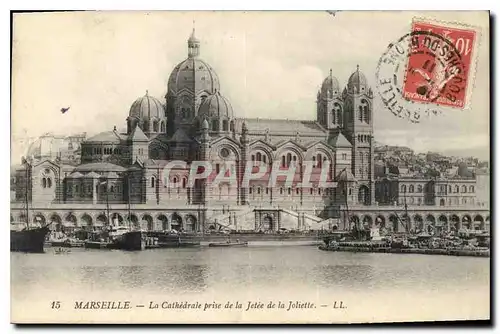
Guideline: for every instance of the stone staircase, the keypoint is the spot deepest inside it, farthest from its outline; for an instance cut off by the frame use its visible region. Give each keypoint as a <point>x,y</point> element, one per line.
<point>229,220</point>
<point>290,219</point>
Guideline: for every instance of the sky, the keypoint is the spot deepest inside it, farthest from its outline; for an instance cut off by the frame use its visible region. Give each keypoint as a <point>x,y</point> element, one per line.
<point>270,65</point>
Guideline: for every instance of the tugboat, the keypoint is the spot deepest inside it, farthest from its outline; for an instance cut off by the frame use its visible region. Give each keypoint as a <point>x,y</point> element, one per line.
<point>126,237</point>
<point>30,239</point>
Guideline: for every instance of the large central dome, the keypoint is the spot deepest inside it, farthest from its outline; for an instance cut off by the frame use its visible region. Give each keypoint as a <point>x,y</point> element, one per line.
<point>193,74</point>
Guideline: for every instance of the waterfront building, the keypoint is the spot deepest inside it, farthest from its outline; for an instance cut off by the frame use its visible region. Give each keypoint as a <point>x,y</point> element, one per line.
<point>196,122</point>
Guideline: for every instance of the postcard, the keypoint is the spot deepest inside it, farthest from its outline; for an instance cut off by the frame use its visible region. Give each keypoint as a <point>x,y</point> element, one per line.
<point>225,167</point>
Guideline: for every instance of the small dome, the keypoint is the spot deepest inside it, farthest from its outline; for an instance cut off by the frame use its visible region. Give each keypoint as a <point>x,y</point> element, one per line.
<point>75,175</point>
<point>147,107</point>
<point>357,82</point>
<point>194,75</point>
<point>346,176</point>
<point>34,149</point>
<point>216,106</point>
<point>330,86</point>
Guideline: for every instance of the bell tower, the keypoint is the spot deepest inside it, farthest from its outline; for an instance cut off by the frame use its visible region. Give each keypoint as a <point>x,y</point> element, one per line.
<point>358,125</point>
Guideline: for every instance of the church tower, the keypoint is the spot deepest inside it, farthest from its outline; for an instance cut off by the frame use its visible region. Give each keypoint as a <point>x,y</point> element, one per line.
<point>358,128</point>
<point>329,104</point>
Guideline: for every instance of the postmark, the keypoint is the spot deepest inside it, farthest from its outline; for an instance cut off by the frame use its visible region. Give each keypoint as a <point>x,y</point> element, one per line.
<point>426,71</point>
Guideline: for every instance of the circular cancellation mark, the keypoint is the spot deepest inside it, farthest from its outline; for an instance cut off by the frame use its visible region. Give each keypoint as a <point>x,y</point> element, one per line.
<point>419,73</point>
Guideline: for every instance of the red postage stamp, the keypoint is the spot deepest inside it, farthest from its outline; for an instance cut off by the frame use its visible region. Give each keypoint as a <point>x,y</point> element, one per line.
<point>439,64</point>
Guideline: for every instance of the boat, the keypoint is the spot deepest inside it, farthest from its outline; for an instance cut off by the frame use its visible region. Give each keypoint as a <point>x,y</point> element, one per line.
<point>59,239</point>
<point>30,239</point>
<point>174,241</point>
<point>67,243</point>
<point>229,243</point>
<point>91,244</point>
<point>126,237</point>
<point>130,240</point>
<point>98,240</point>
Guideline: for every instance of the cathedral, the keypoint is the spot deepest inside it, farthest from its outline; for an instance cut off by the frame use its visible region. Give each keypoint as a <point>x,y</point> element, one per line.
<point>196,122</point>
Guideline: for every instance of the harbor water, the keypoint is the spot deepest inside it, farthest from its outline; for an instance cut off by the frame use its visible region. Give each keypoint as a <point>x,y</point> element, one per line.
<point>395,286</point>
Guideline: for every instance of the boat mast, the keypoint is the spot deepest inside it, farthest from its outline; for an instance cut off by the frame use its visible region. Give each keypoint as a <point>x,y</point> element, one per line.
<point>128,203</point>
<point>107,202</point>
<point>406,214</point>
<point>26,195</point>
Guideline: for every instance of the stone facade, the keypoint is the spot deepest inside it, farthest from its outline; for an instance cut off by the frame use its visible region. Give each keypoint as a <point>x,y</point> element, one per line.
<point>196,122</point>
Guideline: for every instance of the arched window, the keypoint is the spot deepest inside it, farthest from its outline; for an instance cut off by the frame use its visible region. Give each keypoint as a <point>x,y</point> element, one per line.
<point>215,125</point>
<point>77,189</point>
<point>112,189</point>
<point>419,188</point>
<point>403,188</point>
<point>225,125</point>
<point>457,189</point>
<point>258,190</point>
<point>184,182</point>
<point>281,191</point>
<point>314,161</point>
<point>464,189</point>
<point>231,126</point>
<point>289,190</point>
<point>146,126</point>
<point>44,182</point>
<point>264,158</point>
<point>288,159</point>
<point>259,156</point>
<point>311,191</point>
<point>283,163</point>
<point>364,109</point>
<point>253,157</point>
<point>152,182</point>
<point>250,190</point>
<point>319,191</point>
<point>175,180</point>
<point>350,191</point>
<point>471,189</point>
<point>297,191</point>
<point>162,126</point>
<point>412,188</point>
<point>464,200</point>
<point>449,189</point>
<point>319,160</point>
<point>49,182</point>
<point>334,116</point>
<point>361,113</point>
